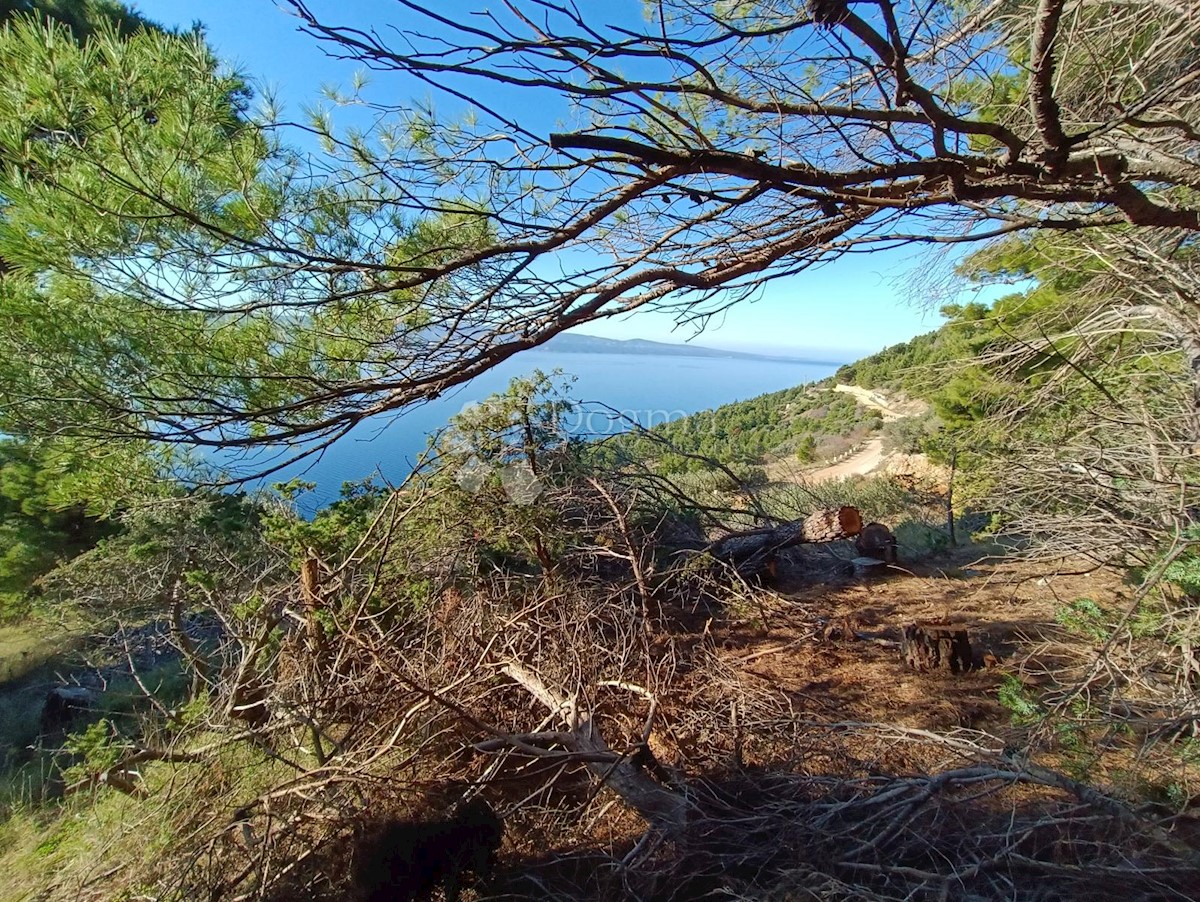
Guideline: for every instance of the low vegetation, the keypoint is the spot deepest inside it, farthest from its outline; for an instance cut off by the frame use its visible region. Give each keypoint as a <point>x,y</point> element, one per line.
<point>537,638</point>
<point>652,666</point>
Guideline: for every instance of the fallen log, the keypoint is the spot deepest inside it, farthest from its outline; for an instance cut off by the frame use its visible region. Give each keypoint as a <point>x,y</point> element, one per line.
<point>751,551</point>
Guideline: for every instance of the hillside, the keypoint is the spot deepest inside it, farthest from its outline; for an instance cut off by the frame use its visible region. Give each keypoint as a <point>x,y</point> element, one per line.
<point>815,425</point>
<point>575,343</point>
<point>797,704</point>
<point>784,713</point>
<point>926,630</point>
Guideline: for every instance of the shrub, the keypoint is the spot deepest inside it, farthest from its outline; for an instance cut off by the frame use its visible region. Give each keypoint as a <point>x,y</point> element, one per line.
<point>1083,617</point>
<point>1022,707</point>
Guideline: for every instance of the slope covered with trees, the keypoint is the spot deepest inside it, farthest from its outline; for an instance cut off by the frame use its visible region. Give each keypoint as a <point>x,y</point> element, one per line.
<point>746,432</point>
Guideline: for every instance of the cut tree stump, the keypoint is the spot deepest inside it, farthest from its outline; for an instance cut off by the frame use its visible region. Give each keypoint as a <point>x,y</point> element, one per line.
<point>751,551</point>
<point>927,648</point>
<point>877,541</point>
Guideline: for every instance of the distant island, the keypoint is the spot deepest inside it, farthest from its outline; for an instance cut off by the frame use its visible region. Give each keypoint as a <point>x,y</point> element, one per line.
<point>569,343</point>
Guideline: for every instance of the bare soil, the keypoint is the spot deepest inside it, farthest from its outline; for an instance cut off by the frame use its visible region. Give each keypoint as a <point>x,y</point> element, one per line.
<point>858,464</point>
<point>833,648</point>
<point>868,459</point>
<point>892,407</point>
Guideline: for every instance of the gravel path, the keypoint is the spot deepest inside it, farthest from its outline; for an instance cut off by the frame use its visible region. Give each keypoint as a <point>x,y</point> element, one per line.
<point>858,464</point>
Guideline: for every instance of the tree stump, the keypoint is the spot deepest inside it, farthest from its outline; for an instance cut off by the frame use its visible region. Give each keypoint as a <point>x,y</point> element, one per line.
<point>877,541</point>
<point>927,648</point>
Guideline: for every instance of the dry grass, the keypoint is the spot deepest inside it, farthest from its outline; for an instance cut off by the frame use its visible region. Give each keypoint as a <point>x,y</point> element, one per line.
<point>660,736</point>
<point>24,647</point>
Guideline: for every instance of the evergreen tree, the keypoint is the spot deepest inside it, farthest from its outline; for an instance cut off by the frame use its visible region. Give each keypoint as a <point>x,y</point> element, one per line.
<point>83,17</point>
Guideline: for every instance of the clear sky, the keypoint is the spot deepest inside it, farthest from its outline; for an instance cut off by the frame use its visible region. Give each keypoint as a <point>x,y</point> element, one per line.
<point>852,307</point>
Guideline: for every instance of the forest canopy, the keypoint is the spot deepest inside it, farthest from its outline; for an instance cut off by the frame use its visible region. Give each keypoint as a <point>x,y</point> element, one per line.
<point>288,295</point>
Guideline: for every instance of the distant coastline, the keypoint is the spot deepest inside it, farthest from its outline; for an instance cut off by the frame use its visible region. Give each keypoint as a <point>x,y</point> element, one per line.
<point>569,343</point>
<point>643,384</point>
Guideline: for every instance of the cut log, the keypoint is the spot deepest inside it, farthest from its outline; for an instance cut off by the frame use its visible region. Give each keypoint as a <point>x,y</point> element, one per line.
<point>927,648</point>
<point>877,541</point>
<point>751,551</point>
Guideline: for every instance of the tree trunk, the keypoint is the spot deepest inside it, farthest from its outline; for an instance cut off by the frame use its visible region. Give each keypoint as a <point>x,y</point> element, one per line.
<point>751,551</point>
<point>928,648</point>
<point>950,497</point>
<point>312,602</point>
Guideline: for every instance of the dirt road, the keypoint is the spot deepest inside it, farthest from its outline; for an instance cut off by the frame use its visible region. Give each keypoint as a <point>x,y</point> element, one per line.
<point>867,459</point>
<point>857,464</point>
<point>889,407</point>
<point>871,456</point>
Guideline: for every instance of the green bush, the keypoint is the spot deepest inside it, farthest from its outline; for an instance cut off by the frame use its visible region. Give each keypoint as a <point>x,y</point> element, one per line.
<point>806,451</point>
<point>1184,572</point>
<point>1022,707</point>
<point>37,528</point>
<point>916,538</point>
<point>95,749</point>
<point>1083,617</point>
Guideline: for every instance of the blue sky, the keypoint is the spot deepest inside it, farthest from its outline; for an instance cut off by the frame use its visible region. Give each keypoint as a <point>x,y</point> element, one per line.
<point>854,306</point>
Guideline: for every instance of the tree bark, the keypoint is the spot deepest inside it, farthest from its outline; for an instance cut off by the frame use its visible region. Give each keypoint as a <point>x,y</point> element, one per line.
<point>950,497</point>
<point>927,648</point>
<point>750,551</point>
<point>312,602</point>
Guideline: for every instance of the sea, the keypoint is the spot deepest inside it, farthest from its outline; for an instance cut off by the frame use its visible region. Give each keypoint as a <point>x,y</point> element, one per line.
<point>647,388</point>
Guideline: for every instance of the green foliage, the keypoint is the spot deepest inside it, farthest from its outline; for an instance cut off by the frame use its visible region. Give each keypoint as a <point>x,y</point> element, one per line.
<point>1184,571</point>
<point>1084,618</point>
<point>918,366</point>
<point>909,435</point>
<point>800,421</point>
<point>795,421</point>
<point>1056,401</point>
<point>83,17</point>
<point>524,426</point>
<point>99,108</point>
<point>806,450</point>
<point>38,529</point>
<point>190,546</point>
<point>333,530</point>
<point>1022,707</point>
<point>916,538</point>
<point>97,748</point>
<point>1149,620</point>
<point>101,121</point>
<point>877,496</point>
<point>501,466</point>
<point>149,241</point>
<point>1078,746</point>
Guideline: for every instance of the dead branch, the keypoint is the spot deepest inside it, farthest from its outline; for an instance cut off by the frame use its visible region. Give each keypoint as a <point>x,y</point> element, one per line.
<point>658,806</point>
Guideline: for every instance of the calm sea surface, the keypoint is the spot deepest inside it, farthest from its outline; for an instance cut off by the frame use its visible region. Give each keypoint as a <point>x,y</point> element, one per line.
<point>648,388</point>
